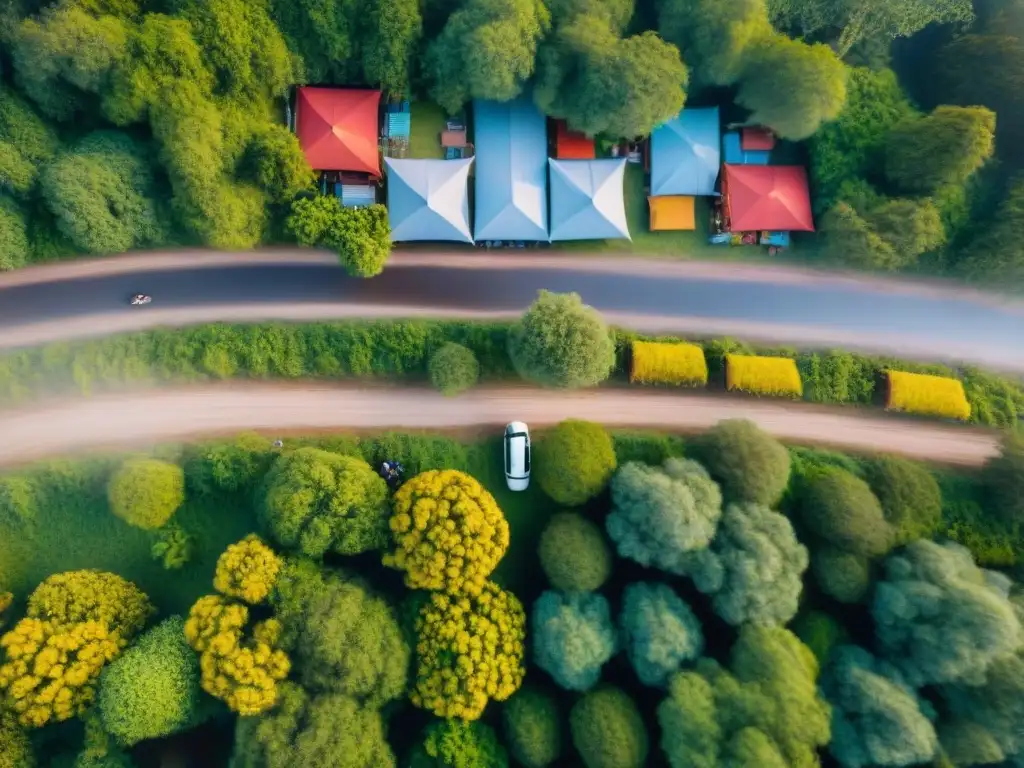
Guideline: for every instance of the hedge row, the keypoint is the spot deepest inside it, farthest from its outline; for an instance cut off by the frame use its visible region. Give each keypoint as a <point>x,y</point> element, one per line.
<point>772,376</point>
<point>654,363</point>
<point>927,395</point>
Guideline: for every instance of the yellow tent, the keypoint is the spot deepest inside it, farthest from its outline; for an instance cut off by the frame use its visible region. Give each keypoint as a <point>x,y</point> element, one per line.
<point>671,212</point>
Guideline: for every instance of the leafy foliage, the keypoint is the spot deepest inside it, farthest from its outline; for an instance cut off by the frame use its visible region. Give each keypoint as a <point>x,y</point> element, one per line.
<point>14,246</point>
<point>453,369</point>
<point>247,570</point>
<point>910,497</point>
<point>842,575</point>
<point>995,256</point>
<point>1004,479</point>
<point>659,631</point>
<point>574,554</point>
<point>840,508</point>
<point>608,731</point>
<point>459,744</point>
<point>575,460</point>
<point>15,747</point>
<point>360,236</point>
<point>146,492</point>
<point>74,597</point>
<point>26,143</point>
<point>316,501</point>
<point>532,728</point>
<point>746,461</point>
<point>985,716</point>
<point>573,637</point>
<point>391,42</point>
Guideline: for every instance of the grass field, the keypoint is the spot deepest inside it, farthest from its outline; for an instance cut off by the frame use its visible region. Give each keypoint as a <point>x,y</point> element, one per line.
<point>425,132</point>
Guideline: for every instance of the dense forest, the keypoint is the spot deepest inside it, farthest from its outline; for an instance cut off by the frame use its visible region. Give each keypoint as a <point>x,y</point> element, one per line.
<point>134,123</point>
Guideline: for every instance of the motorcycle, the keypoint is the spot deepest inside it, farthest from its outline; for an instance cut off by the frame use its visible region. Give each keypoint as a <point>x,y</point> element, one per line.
<point>140,299</point>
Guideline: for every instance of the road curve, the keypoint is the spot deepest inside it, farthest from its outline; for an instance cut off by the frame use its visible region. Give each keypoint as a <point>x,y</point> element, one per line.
<point>145,418</point>
<point>927,320</point>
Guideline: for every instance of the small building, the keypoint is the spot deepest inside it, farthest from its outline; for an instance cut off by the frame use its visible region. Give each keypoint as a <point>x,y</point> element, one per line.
<point>429,200</point>
<point>587,199</point>
<point>686,154</point>
<point>735,153</point>
<point>672,213</point>
<point>339,128</point>
<point>766,198</point>
<point>757,139</point>
<point>572,145</point>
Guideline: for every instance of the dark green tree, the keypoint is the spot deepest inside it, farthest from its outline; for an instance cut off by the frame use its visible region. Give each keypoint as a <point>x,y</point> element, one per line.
<point>26,144</point>
<point>278,163</point>
<point>532,728</point>
<point>453,368</point>
<point>840,574</point>
<point>574,554</point>
<point>391,43</point>
<point>746,461</point>
<point>848,238</point>
<point>1003,477</point>
<point>574,461</point>
<point>324,34</point>
<point>909,227</point>
<point>608,731</point>
<point>840,508</point>
<point>360,236</point>
<point>990,712</point>
<point>910,497</point>
<point>995,256</point>
<point>14,245</point>
<point>146,492</point>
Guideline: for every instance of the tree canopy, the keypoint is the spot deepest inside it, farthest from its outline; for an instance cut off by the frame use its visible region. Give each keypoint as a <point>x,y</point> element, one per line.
<point>573,637</point>
<point>840,508</point>
<point>1004,478</point>
<point>360,236</point>
<point>146,492</point>
<point>453,368</point>
<point>910,497</point>
<point>574,554</point>
<point>608,731</point>
<point>574,461</point>
<point>454,744</point>
<point>659,631</point>
<point>532,728</point>
<point>747,462</point>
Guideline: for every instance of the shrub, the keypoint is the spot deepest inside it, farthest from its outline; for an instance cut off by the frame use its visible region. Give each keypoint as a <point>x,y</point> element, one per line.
<point>656,363</point>
<point>455,744</point>
<point>231,466</point>
<point>574,461</point>
<point>843,576</point>
<point>173,548</point>
<point>360,236</point>
<point>316,501</point>
<point>841,509</point>
<point>448,530</point>
<point>774,376</point>
<point>608,731</point>
<point>573,553</point>
<point>659,630</point>
<point>532,728</point>
<point>152,690</point>
<point>820,632</point>
<point>746,461</point>
<point>910,497</point>
<point>15,747</point>
<point>453,369</point>
<point>146,492</point>
<point>1003,478</point>
<point>927,395</point>
<point>573,637</point>
<point>469,649</point>
<point>561,342</point>
<point>247,570</point>
<point>74,597</point>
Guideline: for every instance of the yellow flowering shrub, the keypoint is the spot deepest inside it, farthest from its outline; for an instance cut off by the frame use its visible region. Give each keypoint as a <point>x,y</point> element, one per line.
<point>448,531</point>
<point>774,376</point>
<point>469,649</point>
<point>73,597</point>
<point>247,570</point>
<point>50,670</point>
<point>657,363</point>
<point>6,599</point>
<point>927,395</point>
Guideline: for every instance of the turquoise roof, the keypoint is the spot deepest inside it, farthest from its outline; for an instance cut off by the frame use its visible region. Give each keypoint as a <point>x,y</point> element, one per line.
<point>429,199</point>
<point>587,199</point>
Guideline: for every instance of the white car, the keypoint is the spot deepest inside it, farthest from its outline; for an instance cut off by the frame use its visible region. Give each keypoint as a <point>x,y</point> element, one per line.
<point>517,456</point>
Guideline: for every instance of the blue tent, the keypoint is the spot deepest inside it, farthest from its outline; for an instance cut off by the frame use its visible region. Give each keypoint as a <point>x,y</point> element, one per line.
<point>511,144</point>
<point>735,154</point>
<point>586,199</point>
<point>429,199</point>
<point>686,154</point>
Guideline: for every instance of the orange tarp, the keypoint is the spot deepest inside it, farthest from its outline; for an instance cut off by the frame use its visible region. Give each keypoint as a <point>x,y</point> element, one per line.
<point>672,212</point>
<point>571,145</point>
<point>338,129</point>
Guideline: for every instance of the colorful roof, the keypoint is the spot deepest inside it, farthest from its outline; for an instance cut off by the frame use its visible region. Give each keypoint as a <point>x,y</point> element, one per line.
<point>672,212</point>
<point>429,199</point>
<point>587,199</point>
<point>572,145</point>
<point>757,138</point>
<point>686,154</point>
<point>338,129</point>
<point>511,145</point>
<point>767,197</point>
<point>735,154</point>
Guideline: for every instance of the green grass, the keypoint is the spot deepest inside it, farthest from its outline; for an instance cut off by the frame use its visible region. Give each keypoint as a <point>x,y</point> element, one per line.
<point>428,121</point>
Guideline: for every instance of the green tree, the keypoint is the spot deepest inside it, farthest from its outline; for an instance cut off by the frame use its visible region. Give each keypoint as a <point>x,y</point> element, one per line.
<point>324,34</point>
<point>312,729</point>
<point>1003,478</point>
<point>391,43</point>
<point>910,497</point>
<point>146,492</point>
<point>714,37</point>
<point>453,368</point>
<point>278,164</point>
<point>574,461</point>
<point>943,148</point>
<point>533,729</point>
<point>909,227</point>
<point>990,711</point>
<point>230,466</point>
<point>663,517</point>
<point>574,554</point>
<point>562,342</point>
<point>14,247</point>
<point>151,690</point>
<point>360,236</point>
<point>26,144</point>
<point>746,461</point>
<point>659,631</point>
<point>608,731</point>
<point>455,744</point>
<point>315,501</point>
<point>792,87</point>
<point>15,748</point>
<point>848,238</point>
<point>995,256</point>
<point>939,618</point>
<point>603,84</point>
<point>820,632</point>
<point>840,574</point>
<point>840,508</point>
<point>573,637</point>
<point>486,51</point>
<point>877,719</point>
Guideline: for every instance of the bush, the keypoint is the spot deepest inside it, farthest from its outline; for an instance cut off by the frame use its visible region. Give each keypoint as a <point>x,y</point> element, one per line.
<point>451,511</point>
<point>247,570</point>
<point>843,576</point>
<point>455,744</point>
<point>659,630</point>
<point>746,461</point>
<point>15,747</point>
<point>360,236</point>
<point>927,395</point>
<point>574,461</point>
<point>608,731</point>
<point>152,690</point>
<point>1003,478</point>
<point>841,509</point>
<point>820,632</point>
<point>453,369</point>
<point>573,637</point>
<point>532,728</point>
<point>574,554</point>
<point>774,376</point>
<point>910,497</point>
<point>316,501</point>
<point>561,342</point>
<point>146,492</point>
<point>655,363</point>
<point>74,597</point>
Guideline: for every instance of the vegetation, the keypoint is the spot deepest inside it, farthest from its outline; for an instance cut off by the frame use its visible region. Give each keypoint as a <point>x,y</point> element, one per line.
<point>457,743</point>
<point>746,461</point>
<point>360,236</point>
<point>573,637</point>
<point>532,728</point>
<point>659,630</point>
<point>575,461</point>
<point>147,492</point>
<point>453,369</point>
<point>775,376</point>
<point>608,731</point>
<point>654,363</point>
<point>927,395</point>
<point>574,554</point>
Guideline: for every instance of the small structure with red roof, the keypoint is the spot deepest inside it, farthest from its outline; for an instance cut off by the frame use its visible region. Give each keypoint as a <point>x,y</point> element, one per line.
<point>757,139</point>
<point>766,198</point>
<point>572,145</point>
<point>338,129</point>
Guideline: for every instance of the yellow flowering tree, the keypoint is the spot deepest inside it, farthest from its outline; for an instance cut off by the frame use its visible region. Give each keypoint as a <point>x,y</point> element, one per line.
<point>76,596</point>
<point>469,650</point>
<point>247,570</point>
<point>448,531</point>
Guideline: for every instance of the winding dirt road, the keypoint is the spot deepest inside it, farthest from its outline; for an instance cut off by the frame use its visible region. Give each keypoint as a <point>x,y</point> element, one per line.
<point>140,419</point>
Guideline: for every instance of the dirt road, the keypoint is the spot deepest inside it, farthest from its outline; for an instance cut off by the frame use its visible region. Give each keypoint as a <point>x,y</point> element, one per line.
<point>141,419</point>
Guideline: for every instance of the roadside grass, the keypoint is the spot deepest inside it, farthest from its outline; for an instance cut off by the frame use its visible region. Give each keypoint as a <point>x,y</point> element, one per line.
<point>428,121</point>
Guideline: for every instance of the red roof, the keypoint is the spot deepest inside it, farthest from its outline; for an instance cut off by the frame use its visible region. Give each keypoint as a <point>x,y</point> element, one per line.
<point>571,145</point>
<point>757,139</point>
<point>767,197</point>
<point>338,129</point>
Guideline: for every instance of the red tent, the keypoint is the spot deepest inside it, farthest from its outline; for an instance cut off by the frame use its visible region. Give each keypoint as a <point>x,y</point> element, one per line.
<point>767,197</point>
<point>338,129</point>
<point>572,145</point>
